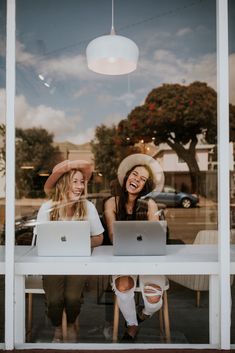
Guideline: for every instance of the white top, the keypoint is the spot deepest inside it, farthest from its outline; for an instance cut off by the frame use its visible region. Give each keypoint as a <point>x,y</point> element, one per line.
<point>92,217</point>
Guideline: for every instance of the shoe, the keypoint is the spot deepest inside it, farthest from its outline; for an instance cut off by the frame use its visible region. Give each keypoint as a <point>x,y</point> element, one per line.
<point>58,336</point>
<point>126,338</point>
<point>72,334</point>
<point>141,317</point>
<point>130,338</point>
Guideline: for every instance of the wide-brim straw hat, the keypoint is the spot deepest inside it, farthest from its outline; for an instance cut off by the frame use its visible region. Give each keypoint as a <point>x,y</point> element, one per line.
<point>63,167</point>
<point>142,159</point>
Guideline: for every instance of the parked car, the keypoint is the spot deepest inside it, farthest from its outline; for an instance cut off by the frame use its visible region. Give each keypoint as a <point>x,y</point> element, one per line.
<point>172,198</point>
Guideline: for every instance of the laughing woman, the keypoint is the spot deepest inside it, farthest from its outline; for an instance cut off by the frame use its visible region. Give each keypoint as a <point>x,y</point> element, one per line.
<point>66,188</point>
<point>138,174</point>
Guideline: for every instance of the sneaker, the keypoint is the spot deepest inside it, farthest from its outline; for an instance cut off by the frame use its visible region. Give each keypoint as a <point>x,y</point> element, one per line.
<point>58,336</point>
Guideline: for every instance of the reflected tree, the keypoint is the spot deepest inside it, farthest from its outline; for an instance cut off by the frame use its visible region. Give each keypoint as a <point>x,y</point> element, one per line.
<point>35,153</point>
<point>109,150</point>
<point>176,114</point>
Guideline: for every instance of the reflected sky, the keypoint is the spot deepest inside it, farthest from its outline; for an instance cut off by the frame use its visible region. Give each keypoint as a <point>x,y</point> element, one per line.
<point>55,89</point>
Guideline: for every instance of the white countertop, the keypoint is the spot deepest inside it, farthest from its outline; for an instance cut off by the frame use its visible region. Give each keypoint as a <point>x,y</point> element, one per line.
<point>179,259</point>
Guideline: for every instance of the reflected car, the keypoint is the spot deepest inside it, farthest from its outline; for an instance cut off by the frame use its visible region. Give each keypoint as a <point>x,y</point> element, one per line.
<point>173,198</point>
<point>23,230</point>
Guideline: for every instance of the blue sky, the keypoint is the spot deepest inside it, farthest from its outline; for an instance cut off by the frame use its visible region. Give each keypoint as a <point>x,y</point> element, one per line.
<point>176,39</point>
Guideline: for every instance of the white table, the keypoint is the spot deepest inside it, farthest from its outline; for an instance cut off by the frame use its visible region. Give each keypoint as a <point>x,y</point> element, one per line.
<point>180,259</point>
<point>19,252</point>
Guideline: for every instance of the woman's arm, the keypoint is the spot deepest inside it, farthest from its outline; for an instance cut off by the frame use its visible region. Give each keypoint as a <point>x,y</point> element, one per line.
<point>110,216</point>
<point>96,240</point>
<point>153,213</point>
<point>96,227</point>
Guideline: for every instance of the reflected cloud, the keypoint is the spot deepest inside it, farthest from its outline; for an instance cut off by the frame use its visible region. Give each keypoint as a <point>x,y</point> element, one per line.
<point>82,137</point>
<point>183,31</point>
<point>168,68</point>
<point>54,120</point>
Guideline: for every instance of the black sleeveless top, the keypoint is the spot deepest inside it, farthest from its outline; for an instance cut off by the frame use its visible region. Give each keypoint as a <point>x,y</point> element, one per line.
<point>134,216</point>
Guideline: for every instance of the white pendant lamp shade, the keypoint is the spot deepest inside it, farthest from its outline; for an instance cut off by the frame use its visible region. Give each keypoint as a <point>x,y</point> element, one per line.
<point>112,55</point>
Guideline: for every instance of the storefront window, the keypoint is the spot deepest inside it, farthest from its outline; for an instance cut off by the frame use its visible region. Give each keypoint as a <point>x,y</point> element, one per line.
<point>165,109</point>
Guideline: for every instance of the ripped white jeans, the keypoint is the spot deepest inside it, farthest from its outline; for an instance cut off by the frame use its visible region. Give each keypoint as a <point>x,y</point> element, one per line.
<point>126,300</point>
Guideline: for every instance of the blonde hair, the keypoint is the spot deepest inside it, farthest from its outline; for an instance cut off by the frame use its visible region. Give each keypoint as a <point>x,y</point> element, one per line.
<point>61,202</point>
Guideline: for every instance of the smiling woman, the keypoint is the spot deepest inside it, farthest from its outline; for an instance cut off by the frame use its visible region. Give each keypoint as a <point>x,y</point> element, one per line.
<point>67,189</point>
<point>137,176</point>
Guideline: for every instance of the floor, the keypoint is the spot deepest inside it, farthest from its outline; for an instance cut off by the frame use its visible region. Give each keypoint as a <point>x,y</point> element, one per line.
<point>189,324</point>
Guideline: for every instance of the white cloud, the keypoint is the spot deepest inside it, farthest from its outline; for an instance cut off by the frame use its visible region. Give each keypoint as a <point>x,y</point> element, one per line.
<point>27,116</point>
<point>24,57</point>
<point>113,119</point>
<point>65,67</point>
<point>168,68</point>
<point>183,31</point>
<point>82,137</point>
<point>88,89</point>
<point>127,98</point>
<point>55,67</point>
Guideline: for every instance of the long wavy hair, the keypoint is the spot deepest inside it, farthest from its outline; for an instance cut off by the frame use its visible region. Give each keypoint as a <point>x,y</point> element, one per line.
<point>140,209</point>
<point>61,201</point>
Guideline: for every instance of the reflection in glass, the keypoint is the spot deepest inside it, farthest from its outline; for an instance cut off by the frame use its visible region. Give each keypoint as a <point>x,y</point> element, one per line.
<point>166,108</point>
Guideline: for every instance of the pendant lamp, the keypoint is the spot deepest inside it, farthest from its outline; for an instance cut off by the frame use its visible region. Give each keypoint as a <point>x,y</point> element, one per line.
<point>112,54</point>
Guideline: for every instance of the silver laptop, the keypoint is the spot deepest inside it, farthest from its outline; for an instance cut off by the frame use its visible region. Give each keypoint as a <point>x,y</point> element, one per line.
<point>63,238</point>
<point>136,238</point>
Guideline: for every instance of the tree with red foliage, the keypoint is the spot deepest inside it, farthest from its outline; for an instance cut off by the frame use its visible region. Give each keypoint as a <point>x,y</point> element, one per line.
<point>176,114</point>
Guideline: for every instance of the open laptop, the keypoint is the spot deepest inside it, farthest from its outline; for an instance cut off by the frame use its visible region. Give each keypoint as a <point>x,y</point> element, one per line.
<point>63,238</point>
<point>136,238</point>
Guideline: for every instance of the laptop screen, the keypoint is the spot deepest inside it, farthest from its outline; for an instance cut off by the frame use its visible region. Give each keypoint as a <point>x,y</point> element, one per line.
<point>63,238</point>
<point>135,238</point>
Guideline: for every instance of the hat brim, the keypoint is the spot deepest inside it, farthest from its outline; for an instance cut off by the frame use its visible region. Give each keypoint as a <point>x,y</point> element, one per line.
<point>142,159</point>
<point>64,167</point>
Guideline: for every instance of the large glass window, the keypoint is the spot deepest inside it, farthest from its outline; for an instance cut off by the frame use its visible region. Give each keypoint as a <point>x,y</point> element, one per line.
<point>165,109</point>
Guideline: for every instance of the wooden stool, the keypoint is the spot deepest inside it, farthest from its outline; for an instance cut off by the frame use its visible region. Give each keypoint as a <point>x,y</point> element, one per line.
<point>163,316</point>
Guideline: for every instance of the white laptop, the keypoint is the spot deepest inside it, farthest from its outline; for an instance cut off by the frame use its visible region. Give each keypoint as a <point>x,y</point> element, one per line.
<point>136,238</point>
<point>63,238</point>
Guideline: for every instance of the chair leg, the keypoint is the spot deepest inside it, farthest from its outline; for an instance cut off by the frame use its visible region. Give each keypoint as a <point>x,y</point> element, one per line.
<point>198,297</point>
<point>30,317</point>
<point>166,317</point>
<point>115,320</point>
<point>64,325</point>
<point>161,321</point>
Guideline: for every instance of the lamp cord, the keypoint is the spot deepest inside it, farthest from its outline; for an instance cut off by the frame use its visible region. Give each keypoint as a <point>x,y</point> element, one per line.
<point>112,28</point>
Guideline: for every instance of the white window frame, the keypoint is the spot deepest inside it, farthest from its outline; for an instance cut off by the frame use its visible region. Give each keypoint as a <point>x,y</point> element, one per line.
<point>223,176</point>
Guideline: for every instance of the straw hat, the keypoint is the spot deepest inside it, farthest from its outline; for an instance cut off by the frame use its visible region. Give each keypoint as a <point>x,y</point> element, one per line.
<point>63,167</point>
<point>142,159</point>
